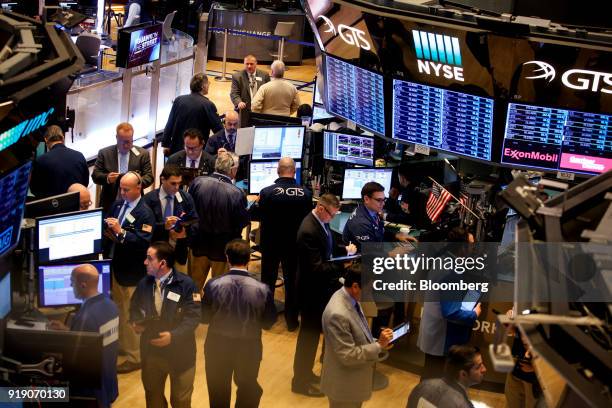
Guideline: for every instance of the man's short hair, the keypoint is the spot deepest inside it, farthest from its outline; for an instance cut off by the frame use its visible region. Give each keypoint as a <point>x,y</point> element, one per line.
<point>164,250</point>
<point>352,275</point>
<point>226,162</point>
<point>251,56</point>
<point>304,110</point>
<point>170,170</point>
<point>370,188</point>
<point>124,126</point>
<point>193,133</point>
<point>278,69</point>
<point>328,199</point>
<point>198,82</point>
<point>460,358</point>
<point>54,133</point>
<point>238,252</point>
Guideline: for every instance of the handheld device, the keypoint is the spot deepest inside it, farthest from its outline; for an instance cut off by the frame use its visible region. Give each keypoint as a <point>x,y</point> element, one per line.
<point>400,331</point>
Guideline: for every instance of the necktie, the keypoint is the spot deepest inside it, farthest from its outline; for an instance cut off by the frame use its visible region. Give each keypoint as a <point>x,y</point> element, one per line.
<point>193,164</point>
<point>168,209</point>
<point>230,140</point>
<point>123,162</point>
<point>252,85</point>
<point>157,297</point>
<point>126,205</point>
<point>330,241</point>
<point>364,322</point>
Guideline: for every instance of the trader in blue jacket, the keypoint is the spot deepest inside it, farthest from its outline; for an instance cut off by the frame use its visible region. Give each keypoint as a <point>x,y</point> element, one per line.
<point>97,314</point>
<point>165,309</point>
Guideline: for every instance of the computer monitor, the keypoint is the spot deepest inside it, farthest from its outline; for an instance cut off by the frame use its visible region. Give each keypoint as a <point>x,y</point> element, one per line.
<point>54,288</point>
<point>319,114</point>
<point>78,355</point>
<point>5,295</point>
<point>317,99</point>
<point>354,179</point>
<point>348,148</point>
<point>138,45</point>
<point>554,139</point>
<point>264,119</point>
<point>263,174</point>
<point>355,94</point>
<point>58,204</point>
<point>276,142</point>
<point>69,235</point>
<point>446,120</point>
<point>13,190</point>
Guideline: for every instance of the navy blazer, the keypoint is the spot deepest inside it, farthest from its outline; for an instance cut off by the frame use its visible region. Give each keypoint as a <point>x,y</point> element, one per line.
<point>184,210</point>
<point>180,315</point>
<point>108,161</point>
<point>217,141</point>
<point>190,111</point>
<point>129,255</point>
<point>58,169</point>
<point>206,165</point>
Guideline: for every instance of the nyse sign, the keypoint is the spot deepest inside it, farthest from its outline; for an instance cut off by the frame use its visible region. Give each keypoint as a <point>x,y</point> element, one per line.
<point>579,79</point>
<point>350,35</point>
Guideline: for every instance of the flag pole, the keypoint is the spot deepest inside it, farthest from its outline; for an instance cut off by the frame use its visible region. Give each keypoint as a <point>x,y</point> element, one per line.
<point>456,199</point>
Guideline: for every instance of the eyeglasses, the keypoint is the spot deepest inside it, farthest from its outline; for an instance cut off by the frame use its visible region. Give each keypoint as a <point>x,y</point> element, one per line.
<point>331,214</point>
<point>378,200</point>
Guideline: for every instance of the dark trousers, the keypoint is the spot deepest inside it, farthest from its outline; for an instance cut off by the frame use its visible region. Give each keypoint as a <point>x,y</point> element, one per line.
<point>226,356</point>
<point>306,347</point>
<point>434,367</point>
<point>270,260</point>
<point>155,371</point>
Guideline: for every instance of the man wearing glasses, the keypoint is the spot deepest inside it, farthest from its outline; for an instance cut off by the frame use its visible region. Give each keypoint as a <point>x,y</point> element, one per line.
<point>317,280</point>
<point>366,223</point>
<point>193,154</point>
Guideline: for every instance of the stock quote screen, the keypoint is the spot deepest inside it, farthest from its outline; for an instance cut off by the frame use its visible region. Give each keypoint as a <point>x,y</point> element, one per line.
<point>441,119</point>
<point>557,139</point>
<point>355,94</point>
<point>13,190</point>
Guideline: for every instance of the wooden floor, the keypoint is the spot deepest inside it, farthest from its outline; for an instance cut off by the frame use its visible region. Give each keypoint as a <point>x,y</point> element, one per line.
<point>219,91</point>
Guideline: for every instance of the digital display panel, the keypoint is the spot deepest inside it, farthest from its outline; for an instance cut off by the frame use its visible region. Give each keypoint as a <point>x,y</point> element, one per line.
<point>355,94</point>
<point>138,45</point>
<point>69,235</point>
<point>55,288</point>
<point>263,174</point>
<point>441,119</point>
<point>557,139</point>
<point>5,295</point>
<point>13,190</point>
<point>348,148</point>
<point>277,142</point>
<point>354,179</point>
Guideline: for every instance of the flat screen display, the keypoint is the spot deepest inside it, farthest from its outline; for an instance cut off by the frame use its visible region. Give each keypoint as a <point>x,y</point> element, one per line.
<point>139,45</point>
<point>69,235</point>
<point>276,142</point>
<point>5,295</point>
<point>13,190</point>
<point>319,113</point>
<point>354,179</point>
<point>55,289</point>
<point>348,148</point>
<point>355,94</point>
<point>557,139</point>
<point>263,174</point>
<point>441,119</point>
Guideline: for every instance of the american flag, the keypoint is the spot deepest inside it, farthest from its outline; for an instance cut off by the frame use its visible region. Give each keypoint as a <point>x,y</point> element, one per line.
<point>436,203</point>
<point>463,195</point>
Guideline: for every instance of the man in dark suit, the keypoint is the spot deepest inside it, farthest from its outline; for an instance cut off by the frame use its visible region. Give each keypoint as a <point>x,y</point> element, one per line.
<point>193,155</point>
<point>245,85</point>
<point>317,280</point>
<point>165,308</point>
<point>170,205</point>
<point>129,228</point>
<point>116,160</point>
<point>190,111</point>
<point>280,209</point>
<point>225,139</point>
<point>59,168</point>
<point>222,214</point>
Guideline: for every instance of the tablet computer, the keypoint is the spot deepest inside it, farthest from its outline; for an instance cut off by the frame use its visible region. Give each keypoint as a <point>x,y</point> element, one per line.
<point>400,331</point>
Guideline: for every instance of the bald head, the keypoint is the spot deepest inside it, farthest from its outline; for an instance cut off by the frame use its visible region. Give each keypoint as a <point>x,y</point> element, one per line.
<point>130,186</point>
<point>286,167</point>
<point>84,280</point>
<point>231,121</point>
<point>84,195</point>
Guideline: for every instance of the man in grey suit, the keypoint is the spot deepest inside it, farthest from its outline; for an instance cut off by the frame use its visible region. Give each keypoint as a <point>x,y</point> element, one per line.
<point>245,85</point>
<point>350,349</point>
<point>116,160</point>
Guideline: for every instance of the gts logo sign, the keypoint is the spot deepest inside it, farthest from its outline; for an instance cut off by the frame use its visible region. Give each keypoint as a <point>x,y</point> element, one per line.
<point>350,35</point>
<point>291,191</point>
